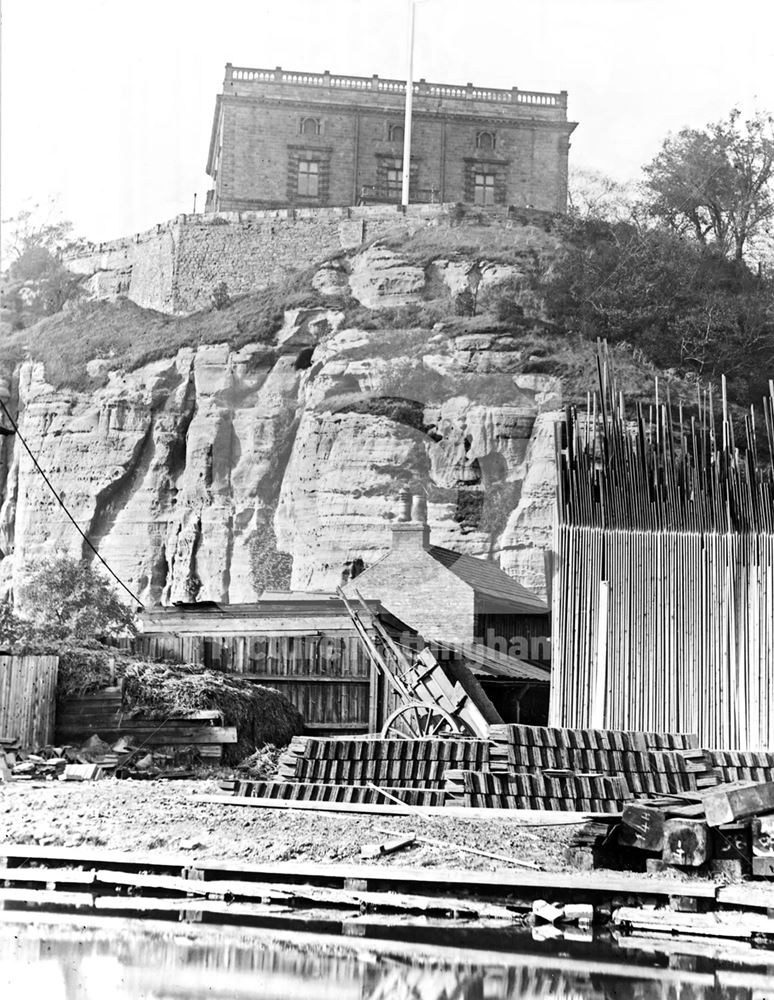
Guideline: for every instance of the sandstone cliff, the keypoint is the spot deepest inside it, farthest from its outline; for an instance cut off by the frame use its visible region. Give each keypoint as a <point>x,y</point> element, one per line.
<point>228,467</point>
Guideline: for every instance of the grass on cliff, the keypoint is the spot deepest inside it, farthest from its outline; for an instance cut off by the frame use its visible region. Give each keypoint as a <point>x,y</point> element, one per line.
<point>129,336</point>
<point>498,244</point>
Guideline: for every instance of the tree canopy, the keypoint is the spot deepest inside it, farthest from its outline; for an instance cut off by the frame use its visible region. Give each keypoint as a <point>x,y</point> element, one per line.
<point>34,281</point>
<point>717,184</point>
<point>66,598</point>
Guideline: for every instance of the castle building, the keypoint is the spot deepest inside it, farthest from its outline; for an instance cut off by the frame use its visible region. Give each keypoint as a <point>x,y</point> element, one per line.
<point>287,139</point>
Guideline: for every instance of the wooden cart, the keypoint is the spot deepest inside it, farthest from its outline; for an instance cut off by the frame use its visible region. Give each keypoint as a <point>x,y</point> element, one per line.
<point>432,703</point>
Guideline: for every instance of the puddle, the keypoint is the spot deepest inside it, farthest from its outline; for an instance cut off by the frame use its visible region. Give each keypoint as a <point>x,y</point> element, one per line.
<point>63,958</point>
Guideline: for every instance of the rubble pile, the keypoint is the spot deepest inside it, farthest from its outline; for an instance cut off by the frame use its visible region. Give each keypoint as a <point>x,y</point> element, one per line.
<point>95,759</point>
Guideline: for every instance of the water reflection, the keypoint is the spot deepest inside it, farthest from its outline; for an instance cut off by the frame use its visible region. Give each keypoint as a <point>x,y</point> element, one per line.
<point>129,960</point>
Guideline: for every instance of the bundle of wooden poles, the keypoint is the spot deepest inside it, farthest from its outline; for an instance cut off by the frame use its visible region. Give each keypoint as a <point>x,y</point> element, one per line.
<point>664,576</point>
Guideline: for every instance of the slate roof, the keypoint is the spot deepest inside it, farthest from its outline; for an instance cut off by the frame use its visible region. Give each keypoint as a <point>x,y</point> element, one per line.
<point>488,579</point>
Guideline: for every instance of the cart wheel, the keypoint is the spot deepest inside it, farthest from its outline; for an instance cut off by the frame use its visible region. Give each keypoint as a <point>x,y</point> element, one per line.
<point>417,721</point>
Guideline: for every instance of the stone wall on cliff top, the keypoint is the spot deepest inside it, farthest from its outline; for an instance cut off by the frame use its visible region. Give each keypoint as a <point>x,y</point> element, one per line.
<point>217,472</point>
<point>174,267</point>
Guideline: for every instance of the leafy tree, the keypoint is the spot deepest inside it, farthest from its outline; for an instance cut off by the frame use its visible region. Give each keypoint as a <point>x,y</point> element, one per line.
<point>592,194</point>
<point>65,598</point>
<point>717,184</point>
<point>35,283</point>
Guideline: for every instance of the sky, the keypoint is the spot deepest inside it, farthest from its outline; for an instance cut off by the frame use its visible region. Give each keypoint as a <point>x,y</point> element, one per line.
<point>107,106</point>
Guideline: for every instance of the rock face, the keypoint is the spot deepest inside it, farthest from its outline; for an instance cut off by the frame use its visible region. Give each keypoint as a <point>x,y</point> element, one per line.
<point>215,473</point>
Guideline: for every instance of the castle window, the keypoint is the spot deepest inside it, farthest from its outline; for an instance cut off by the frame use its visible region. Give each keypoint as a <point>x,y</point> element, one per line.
<point>485,140</point>
<point>309,178</point>
<point>310,126</point>
<point>483,188</point>
<point>394,182</point>
<point>396,133</point>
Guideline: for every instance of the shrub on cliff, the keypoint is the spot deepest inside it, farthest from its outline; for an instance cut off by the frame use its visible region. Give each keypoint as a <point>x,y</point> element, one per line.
<point>685,306</point>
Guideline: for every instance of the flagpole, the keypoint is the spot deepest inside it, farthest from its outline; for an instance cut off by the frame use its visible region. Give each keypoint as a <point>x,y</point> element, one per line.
<point>409,108</point>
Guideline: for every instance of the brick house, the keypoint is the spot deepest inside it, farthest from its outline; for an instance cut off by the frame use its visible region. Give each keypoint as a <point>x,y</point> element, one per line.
<point>470,612</point>
<point>283,139</point>
<point>455,598</point>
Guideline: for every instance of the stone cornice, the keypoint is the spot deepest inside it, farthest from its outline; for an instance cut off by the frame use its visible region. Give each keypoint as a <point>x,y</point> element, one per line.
<point>446,115</point>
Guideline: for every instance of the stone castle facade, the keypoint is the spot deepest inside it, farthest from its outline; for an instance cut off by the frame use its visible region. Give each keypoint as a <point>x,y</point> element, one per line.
<point>286,139</point>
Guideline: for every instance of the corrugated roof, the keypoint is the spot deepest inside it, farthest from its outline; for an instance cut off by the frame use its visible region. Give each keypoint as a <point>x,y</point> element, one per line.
<point>488,579</point>
<point>486,662</point>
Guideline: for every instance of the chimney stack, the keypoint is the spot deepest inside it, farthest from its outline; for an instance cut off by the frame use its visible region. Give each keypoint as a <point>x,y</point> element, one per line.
<point>404,509</point>
<point>411,533</point>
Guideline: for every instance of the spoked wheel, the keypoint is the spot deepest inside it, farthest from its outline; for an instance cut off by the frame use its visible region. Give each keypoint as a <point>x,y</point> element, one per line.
<point>418,721</point>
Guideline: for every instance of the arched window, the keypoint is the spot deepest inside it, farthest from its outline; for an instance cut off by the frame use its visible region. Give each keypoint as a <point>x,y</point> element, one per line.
<point>485,140</point>
<point>310,126</point>
<point>396,133</point>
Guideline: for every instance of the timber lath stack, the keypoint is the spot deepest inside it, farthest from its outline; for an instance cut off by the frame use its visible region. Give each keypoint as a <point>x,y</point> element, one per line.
<point>663,590</point>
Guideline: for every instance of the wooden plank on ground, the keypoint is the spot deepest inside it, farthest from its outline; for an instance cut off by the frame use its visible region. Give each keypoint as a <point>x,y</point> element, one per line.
<point>530,817</point>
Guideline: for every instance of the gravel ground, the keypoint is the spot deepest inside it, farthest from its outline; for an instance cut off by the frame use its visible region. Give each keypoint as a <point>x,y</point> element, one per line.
<point>161,816</point>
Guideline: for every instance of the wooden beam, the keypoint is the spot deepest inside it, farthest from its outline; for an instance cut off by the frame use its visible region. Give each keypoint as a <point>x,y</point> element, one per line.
<point>727,803</point>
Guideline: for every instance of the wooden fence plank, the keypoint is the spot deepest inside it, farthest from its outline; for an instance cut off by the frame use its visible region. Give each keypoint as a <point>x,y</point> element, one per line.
<point>28,698</point>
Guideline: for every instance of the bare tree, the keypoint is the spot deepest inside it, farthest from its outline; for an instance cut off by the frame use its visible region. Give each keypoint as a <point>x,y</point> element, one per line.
<point>716,184</point>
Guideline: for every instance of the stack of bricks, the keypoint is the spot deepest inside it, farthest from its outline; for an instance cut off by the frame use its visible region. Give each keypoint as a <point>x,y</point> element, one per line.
<point>519,767</point>
<point>342,770</point>
<point>742,765</point>
<point>541,790</point>
<point>644,763</point>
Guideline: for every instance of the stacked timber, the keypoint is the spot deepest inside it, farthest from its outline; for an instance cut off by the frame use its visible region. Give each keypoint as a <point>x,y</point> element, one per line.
<point>728,829</point>
<point>663,589</point>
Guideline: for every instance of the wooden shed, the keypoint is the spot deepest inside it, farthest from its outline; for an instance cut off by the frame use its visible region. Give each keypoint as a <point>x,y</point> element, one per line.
<point>303,644</point>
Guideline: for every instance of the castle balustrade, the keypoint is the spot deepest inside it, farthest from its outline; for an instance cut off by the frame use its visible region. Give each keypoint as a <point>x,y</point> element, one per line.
<point>376,84</point>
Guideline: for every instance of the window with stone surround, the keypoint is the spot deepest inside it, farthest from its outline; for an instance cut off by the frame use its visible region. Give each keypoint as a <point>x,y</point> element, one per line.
<point>485,141</point>
<point>309,178</point>
<point>483,188</point>
<point>389,178</point>
<point>310,126</point>
<point>394,182</point>
<point>485,181</point>
<point>395,133</point>
<point>308,174</point>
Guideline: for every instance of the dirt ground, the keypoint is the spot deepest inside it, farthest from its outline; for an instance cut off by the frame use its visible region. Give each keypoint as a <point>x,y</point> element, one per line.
<point>162,816</point>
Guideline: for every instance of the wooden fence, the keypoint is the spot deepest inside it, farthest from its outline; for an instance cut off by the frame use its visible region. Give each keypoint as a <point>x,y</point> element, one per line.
<point>664,572</point>
<point>328,677</point>
<point>28,699</point>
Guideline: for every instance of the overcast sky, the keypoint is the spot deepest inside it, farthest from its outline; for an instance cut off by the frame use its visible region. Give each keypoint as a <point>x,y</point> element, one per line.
<point>108,105</point>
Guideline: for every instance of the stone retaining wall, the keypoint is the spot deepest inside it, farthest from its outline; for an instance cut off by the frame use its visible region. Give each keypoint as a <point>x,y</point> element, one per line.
<point>175,266</point>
